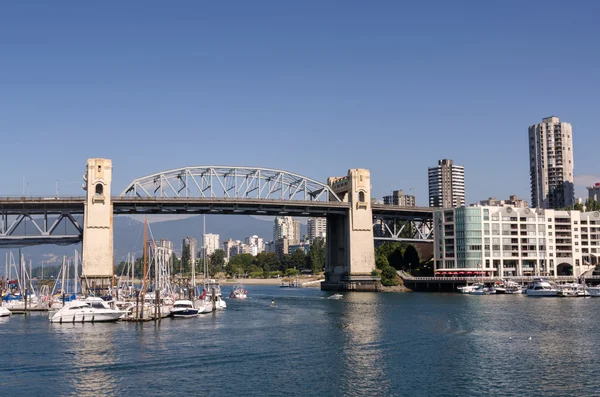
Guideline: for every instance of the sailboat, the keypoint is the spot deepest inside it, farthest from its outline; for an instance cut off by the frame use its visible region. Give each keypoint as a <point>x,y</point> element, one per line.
<point>212,288</point>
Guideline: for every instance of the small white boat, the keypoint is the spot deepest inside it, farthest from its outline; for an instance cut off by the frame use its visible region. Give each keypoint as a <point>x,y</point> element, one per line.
<point>541,287</point>
<point>238,292</point>
<point>86,311</point>
<point>335,296</point>
<point>4,312</point>
<point>593,290</point>
<point>467,289</point>
<point>482,290</point>
<point>183,309</point>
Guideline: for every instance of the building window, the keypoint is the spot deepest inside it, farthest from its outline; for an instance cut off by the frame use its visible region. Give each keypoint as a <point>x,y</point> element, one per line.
<point>361,197</point>
<point>99,189</point>
<point>99,168</point>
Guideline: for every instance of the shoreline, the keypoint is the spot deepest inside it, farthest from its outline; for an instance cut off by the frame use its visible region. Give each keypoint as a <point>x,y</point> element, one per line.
<point>265,281</point>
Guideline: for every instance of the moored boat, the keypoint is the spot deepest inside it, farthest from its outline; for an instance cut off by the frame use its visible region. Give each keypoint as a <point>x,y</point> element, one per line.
<point>87,311</point>
<point>541,287</point>
<point>238,292</point>
<point>183,309</point>
<point>4,312</point>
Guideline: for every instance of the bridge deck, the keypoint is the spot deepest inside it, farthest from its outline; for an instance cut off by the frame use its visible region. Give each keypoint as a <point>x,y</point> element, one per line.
<point>155,205</point>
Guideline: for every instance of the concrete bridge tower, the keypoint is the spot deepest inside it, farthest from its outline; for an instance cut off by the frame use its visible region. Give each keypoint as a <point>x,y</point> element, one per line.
<point>97,250</point>
<point>350,250</point>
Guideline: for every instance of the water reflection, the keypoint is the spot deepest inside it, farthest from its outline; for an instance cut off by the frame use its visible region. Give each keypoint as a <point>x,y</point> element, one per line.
<point>363,372</point>
<point>93,355</point>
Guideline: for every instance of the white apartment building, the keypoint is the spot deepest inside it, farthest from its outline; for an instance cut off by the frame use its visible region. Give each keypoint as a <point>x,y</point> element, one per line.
<point>317,227</point>
<point>506,241</point>
<point>551,164</point>
<point>286,227</point>
<point>256,244</point>
<point>211,243</point>
<point>446,185</point>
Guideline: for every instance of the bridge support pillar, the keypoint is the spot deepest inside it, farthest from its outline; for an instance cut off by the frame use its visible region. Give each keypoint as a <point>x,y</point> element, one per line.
<point>350,249</point>
<point>97,250</point>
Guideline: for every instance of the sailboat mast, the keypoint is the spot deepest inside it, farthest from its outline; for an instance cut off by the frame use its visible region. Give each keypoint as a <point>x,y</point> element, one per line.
<point>204,248</point>
<point>145,265</point>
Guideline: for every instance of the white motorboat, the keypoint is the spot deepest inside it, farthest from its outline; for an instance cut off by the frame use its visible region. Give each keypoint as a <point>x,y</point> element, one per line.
<point>509,287</point>
<point>541,287</point>
<point>4,312</point>
<point>85,311</point>
<point>467,289</point>
<point>572,290</point>
<point>335,296</point>
<point>238,292</point>
<point>593,290</point>
<point>183,309</point>
<point>482,290</point>
<point>213,291</point>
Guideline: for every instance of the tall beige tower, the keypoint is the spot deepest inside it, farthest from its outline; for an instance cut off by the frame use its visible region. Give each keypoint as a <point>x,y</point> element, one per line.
<point>551,164</point>
<point>350,244</point>
<point>97,261</point>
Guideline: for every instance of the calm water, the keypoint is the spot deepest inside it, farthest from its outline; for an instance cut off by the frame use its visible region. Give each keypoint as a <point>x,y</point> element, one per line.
<point>366,344</point>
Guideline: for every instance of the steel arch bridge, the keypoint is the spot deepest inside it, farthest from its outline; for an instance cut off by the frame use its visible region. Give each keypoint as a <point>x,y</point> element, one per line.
<point>230,183</point>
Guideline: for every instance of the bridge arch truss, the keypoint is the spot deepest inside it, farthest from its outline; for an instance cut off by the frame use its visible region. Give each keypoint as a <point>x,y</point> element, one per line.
<point>229,183</point>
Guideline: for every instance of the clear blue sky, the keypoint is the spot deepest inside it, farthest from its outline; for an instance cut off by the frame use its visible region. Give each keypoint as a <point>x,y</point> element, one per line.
<point>313,87</point>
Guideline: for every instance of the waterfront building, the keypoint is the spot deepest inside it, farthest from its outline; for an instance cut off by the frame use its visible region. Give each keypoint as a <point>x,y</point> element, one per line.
<point>317,227</point>
<point>506,241</point>
<point>400,199</point>
<point>551,164</point>
<point>446,185</point>
<point>594,192</point>
<point>286,227</point>
<point>210,243</point>
<point>513,201</point>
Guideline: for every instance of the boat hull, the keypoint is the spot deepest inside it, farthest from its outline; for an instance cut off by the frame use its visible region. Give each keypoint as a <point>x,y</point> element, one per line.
<point>85,317</point>
<point>548,293</point>
<point>184,313</point>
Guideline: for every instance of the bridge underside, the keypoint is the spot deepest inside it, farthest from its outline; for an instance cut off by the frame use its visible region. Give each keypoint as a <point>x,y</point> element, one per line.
<point>227,206</point>
<point>407,225</point>
<point>27,222</point>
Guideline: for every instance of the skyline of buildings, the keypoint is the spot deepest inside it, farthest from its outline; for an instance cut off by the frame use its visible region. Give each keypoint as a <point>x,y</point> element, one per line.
<point>399,198</point>
<point>446,183</point>
<point>551,164</point>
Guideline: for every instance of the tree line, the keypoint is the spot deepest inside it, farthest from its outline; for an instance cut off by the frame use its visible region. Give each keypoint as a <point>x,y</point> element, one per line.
<point>393,256</point>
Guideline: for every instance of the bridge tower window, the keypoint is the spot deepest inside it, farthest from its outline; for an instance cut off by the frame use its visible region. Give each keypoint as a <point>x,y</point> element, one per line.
<point>361,197</point>
<point>99,189</point>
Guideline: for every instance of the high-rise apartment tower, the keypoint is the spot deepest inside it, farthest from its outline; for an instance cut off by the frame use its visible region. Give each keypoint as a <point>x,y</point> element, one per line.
<point>551,164</point>
<point>446,185</point>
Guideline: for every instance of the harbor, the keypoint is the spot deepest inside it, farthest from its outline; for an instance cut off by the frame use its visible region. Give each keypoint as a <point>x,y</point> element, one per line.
<point>367,344</point>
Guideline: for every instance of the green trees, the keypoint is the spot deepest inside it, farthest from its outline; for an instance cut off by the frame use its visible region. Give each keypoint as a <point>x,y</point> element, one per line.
<point>411,257</point>
<point>185,259</point>
<point>592,205</point>
<point>216,262</point>
<point>392,256</point>
<point>316,255</point>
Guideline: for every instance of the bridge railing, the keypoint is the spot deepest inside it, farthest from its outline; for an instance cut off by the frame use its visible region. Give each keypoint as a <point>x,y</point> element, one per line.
<point>40,198</point>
